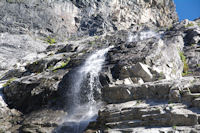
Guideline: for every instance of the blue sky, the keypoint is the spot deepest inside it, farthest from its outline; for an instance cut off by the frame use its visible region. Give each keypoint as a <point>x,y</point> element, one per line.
<point>188,9</point>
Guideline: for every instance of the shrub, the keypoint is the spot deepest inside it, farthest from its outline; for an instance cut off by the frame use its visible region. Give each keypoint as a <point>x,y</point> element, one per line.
<point>185,65</point>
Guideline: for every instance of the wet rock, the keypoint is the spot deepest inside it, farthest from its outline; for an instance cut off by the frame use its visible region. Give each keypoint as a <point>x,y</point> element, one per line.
<point>45,121</point>
<point>68,48</point>
<point>31,93</point>
<point>9,118</point>
<point>37,66</point>
<point>141,79</point>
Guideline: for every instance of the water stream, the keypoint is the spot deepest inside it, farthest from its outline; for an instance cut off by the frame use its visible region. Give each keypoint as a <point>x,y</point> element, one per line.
<point>84,94</point>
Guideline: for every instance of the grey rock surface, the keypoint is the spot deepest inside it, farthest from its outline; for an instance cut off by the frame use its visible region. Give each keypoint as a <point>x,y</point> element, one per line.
<point>19,49</point>
<point>66,17</point>
<point>9,118</point>
<point>150,79</point>
<point>122,117</point>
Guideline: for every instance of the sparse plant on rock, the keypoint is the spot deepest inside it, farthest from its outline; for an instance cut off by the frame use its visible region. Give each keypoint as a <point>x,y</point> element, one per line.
<point>51,40</point>
<point>189,25</point>
<point>185,65</point>
<point>8,82</point>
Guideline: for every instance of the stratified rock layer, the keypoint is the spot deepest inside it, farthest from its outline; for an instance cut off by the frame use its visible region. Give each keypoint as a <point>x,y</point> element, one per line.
<point>143,87</point>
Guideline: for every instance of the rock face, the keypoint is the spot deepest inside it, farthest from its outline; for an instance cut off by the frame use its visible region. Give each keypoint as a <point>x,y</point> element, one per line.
<point>63,18</point>
<point>17,49</point>
<point>9,118</point>
<point>149,82</point>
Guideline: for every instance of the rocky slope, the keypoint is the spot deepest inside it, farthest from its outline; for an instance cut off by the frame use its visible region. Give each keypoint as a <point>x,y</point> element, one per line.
<point>150,81</point>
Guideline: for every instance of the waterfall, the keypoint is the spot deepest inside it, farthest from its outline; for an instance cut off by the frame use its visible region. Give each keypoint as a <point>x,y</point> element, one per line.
<point>143,35</point>
<point>84,92</point>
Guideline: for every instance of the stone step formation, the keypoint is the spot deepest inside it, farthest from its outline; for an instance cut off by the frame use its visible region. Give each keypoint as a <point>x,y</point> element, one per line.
<point>147,113</point>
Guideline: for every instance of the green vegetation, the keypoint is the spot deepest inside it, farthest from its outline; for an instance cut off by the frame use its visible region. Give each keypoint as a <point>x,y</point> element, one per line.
<point>63,64</point>
<point>96,37</point>
<point>174,127</point>
<point>51,40</point>
<point>169,102</point>
<point>35,63</point>
<point>198,65</point>
<point>92,42</point>
<point>198,24</point>
<point>185,65</point>
<point>161,76</point>
<point>170,27</point>
<point>8,82</point>
<point>189,25</point>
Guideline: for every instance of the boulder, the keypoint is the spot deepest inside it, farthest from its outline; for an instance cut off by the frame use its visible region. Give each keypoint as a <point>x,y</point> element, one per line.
<point>31,93</point>
<point>192,36</point>
<point>142,70</point>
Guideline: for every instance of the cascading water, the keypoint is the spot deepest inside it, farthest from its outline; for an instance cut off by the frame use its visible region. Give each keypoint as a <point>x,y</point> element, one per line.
<point>84,93</point>
<point>142,36</point>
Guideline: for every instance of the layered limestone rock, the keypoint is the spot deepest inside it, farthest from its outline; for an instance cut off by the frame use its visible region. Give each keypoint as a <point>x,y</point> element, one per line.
<point>132,116</point>
<point>141,81</point>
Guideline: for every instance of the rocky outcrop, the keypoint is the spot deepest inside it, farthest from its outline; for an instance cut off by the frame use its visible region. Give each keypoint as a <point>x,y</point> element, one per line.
<point>43,121</point>
<point>9,118</point>
<point>127,117</point>
<point>64,18</point>
<point>149,81</point>
<point>19,49</point>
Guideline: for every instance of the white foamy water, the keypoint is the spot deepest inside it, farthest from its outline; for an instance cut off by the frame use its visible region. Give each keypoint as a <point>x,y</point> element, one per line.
<point>85,84</point>
<point>2,102</point>
<point>142,36</point>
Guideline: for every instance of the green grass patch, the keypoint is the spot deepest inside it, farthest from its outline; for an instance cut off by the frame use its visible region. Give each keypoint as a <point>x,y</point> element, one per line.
<point>174,127</point>
<point>92,42</point>
<point>51,40</point>
<point>8,82</point>
<point>63,64</point>
<point>189,25</point>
